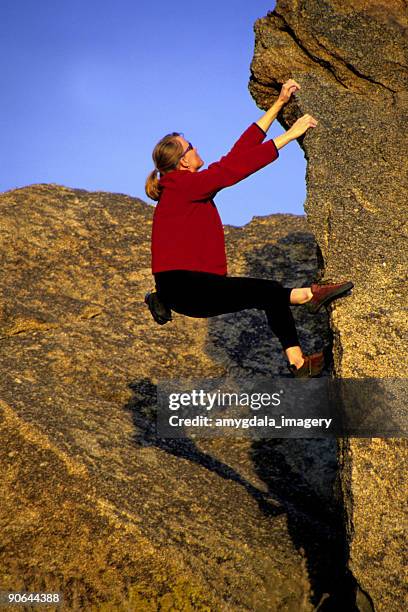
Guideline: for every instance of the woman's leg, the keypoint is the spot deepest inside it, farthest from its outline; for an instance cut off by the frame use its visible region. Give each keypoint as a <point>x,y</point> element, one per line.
<point>201,294</point>
<point>294,354</point>
<point>301,296</point>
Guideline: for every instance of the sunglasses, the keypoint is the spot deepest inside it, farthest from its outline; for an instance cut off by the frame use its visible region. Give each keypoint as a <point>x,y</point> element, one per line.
<point>190,146</point>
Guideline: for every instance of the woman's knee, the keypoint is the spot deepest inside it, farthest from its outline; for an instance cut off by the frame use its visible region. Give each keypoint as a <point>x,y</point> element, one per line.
<point>272,294</point>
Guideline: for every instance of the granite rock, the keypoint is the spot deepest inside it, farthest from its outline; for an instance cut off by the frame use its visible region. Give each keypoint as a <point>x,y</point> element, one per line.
<point>351,61</point>
<point>94,504</point>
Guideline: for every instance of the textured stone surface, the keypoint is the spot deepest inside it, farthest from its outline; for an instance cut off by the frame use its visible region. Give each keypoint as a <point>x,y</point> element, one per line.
<point>351,60</point>
<point>94,505</point>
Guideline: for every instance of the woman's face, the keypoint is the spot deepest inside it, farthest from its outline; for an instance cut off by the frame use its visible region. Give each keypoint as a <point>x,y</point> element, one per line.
<point>190,160</point>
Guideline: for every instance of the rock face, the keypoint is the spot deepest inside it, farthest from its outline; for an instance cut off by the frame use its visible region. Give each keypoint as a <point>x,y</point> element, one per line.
<point>351,60</point>
<point>96,506</point>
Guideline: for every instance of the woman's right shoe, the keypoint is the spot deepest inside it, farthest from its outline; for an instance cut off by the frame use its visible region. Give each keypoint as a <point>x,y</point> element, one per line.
<point>324,294</point>
<point>312,366</point>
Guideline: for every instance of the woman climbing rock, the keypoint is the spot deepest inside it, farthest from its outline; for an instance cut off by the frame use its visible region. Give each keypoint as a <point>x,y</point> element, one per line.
<point>188,250</point>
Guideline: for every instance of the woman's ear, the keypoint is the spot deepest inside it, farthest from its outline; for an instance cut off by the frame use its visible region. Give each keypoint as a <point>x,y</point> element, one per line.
<point>183,163</point>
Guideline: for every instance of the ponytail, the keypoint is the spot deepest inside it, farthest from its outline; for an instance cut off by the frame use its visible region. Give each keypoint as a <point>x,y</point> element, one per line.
<point>152,186</point>
<point>166,156</point>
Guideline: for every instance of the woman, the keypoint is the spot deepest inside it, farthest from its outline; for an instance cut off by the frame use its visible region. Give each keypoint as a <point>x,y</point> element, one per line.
<point>188,251</point>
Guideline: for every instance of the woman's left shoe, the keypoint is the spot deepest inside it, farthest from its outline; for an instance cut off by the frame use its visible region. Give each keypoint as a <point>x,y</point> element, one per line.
<point>312,366</point>
<point>160,312</point>
<point>324,294</point>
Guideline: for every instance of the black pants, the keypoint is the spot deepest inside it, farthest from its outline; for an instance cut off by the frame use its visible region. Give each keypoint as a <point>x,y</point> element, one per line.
<point>202,294</point>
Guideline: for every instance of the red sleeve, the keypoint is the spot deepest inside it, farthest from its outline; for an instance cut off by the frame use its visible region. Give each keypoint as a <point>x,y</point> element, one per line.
<point>231,168</point>
<point>252,136</point>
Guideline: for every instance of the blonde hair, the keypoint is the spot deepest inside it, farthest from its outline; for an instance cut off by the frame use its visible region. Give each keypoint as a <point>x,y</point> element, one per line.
<point>166,156</point>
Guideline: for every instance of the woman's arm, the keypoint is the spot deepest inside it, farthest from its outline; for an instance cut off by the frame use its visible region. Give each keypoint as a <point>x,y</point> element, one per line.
<point>298,128</point>
<point>230,169</point>
<point>288,88</point>
<point>251,137</point>
<point>266,120</point>
<point>233,168</point>
<point>241,161</point>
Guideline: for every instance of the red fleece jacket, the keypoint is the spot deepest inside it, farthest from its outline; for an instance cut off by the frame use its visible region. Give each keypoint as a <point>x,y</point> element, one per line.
<point>187,232</point>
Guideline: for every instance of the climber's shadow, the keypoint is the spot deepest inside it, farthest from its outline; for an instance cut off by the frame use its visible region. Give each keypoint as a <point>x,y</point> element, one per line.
<point>292,469</point>
<point>312,517</point>
<point>143,407</point>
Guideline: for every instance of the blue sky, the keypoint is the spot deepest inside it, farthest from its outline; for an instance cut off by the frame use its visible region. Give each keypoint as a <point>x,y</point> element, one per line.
<point>89,87</point>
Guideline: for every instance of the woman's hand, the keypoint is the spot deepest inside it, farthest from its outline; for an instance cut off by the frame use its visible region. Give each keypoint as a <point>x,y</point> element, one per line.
<point>287,90</point>
<point>301,126</point>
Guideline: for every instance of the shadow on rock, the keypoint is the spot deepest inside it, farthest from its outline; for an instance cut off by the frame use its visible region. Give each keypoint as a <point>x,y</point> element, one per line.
<point>143,407</point>
<point>302,474</point>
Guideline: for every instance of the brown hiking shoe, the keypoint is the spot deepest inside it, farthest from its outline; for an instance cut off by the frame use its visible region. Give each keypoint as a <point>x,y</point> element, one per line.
<point>323,294</point>
<point>313,366</point>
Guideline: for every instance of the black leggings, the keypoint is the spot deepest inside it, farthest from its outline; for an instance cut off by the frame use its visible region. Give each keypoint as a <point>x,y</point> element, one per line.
<point>203,294</point>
